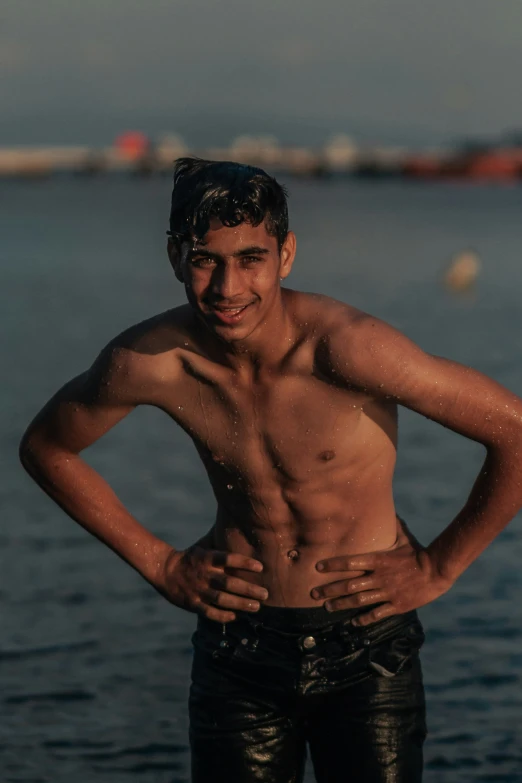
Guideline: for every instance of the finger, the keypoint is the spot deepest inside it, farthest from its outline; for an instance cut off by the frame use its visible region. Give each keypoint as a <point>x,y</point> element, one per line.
<point>347,563</point>
<point>354,601</point>
<point>228,601</point>
<point>386,610</point>
<point>235,560</point>
<point>219,616</point>
<point>237,586</point>
<point>344,587</point>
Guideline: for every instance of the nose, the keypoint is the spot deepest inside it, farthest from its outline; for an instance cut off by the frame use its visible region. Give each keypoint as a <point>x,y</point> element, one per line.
<point>227,282</point>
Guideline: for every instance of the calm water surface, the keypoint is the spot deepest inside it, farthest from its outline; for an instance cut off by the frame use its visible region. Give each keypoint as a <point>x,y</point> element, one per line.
<point>94,664</point>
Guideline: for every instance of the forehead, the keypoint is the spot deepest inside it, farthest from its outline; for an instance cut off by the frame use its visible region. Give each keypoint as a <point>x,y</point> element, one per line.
<point>220,238</point>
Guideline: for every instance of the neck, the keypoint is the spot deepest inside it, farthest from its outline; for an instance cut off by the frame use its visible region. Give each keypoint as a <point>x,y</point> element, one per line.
<point>265,346</point>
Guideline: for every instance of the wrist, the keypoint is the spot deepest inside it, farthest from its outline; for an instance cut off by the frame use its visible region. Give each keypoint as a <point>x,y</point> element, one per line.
<point>165,564</point>
<point>441,572</point>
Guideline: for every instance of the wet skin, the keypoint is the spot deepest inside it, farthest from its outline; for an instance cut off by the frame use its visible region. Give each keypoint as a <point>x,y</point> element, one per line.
<point>291,401</point>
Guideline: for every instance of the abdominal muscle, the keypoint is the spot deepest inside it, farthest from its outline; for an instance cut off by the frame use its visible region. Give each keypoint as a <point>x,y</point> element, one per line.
<point>290,547</point>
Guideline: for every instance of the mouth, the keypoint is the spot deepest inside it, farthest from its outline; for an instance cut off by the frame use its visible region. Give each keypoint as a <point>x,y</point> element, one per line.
<point>230,315</point>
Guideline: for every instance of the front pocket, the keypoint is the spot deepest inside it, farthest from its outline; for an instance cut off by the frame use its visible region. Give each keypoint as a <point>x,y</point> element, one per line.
<point>212,644</point>
<point>390,656</point>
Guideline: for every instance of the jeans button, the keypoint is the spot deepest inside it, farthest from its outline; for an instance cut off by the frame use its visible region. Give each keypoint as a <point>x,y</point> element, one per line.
<point>308,642</point>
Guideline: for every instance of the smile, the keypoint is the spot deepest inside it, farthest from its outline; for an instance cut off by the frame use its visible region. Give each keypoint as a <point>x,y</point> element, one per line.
<point>230,315</point>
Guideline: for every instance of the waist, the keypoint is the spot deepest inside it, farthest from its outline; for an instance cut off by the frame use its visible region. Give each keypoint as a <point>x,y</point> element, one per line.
<point>304,629</point>
<point>289,574</point>
<point>296,620</point>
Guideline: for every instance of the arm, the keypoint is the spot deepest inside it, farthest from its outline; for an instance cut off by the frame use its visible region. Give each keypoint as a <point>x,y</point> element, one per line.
<point>78,415</point>
<point>386,365</point>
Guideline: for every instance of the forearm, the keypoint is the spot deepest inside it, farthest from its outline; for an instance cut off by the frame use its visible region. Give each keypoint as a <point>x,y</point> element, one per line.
<point>494,500</point>
<point>87,498</point>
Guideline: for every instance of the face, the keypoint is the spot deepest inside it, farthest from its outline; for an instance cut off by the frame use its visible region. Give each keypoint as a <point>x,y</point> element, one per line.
<point>232,277</point>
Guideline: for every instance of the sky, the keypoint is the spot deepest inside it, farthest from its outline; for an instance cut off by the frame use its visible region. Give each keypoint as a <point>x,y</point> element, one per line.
<point>390,71</point>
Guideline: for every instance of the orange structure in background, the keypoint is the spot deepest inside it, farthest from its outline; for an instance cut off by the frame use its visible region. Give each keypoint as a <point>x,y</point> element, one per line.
<point>497,165</point>
<point>132,145</point>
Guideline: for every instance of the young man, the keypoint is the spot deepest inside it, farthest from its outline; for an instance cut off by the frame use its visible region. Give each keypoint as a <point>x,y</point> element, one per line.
<point>291,400</point>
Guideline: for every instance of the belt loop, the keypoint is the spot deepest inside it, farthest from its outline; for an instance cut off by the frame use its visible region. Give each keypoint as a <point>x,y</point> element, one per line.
<point>350,635</point>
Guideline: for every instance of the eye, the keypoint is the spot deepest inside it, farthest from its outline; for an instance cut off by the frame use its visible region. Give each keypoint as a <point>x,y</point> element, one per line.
<point>202,262</point>
<point>251,260</point>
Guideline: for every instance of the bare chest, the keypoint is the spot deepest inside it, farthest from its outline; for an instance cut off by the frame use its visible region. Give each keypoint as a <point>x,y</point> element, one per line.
<point>293,424</point>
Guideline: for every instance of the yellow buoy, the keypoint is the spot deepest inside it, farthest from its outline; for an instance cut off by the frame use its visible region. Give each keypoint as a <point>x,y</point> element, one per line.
<point>462,271</point>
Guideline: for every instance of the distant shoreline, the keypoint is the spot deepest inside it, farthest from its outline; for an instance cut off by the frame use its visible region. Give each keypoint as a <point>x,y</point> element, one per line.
<point>134,154</point>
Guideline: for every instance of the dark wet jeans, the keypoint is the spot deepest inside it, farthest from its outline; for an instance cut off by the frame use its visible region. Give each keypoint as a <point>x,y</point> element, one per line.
<point>285,679</point>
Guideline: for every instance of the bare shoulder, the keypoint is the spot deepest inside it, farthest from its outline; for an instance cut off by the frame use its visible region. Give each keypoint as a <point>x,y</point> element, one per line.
<point>335,324</point>
<point>133,361</point>
<point>320,311</point>
<point>155,336</point>
<point>354,346</point>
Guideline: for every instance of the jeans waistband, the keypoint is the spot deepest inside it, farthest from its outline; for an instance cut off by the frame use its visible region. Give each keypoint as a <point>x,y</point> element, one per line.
<point>255,627</point>
<point>293,620</point>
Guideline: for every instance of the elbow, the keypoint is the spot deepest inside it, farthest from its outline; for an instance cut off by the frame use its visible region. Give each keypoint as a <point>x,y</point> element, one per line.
<point>27,454</point>
<point>40,456</point>
<point>33,453</point>
<point>506,444</point>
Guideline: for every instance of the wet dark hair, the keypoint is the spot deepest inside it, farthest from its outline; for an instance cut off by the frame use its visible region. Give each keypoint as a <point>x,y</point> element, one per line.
<point>232,192</point>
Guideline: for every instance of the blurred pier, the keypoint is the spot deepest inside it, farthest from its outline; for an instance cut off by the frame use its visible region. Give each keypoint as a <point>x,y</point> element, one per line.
<point>133,153</point>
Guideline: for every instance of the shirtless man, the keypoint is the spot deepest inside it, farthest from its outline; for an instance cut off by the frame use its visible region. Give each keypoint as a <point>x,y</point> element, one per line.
<point>291,400</point>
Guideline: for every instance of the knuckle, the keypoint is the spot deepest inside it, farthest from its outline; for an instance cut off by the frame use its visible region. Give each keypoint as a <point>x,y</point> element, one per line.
<point>226,583</point>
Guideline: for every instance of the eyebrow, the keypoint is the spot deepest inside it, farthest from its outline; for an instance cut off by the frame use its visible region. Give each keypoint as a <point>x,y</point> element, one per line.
<point>253,250</point>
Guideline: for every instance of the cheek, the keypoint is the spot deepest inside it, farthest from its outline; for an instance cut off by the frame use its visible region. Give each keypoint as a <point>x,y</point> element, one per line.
<point>197,283</point>
<point>265,280</point>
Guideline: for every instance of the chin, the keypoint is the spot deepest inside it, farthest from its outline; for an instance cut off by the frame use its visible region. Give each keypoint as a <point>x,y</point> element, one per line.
<point>228,335</point>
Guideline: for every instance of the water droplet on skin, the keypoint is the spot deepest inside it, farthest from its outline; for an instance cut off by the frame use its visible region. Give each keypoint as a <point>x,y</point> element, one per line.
<point>185,343</point>
<point>180,407</point>
<point>230,486</point>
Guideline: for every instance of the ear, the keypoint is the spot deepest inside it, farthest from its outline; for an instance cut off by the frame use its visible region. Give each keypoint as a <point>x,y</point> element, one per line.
<point>287,255</point>
<point>174,254</point>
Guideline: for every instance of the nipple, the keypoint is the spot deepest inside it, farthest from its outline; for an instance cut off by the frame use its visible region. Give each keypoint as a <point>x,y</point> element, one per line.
<point>293,554</point>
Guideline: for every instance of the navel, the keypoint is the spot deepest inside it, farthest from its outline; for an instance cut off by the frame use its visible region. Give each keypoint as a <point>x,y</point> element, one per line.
<point>326,456</point>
